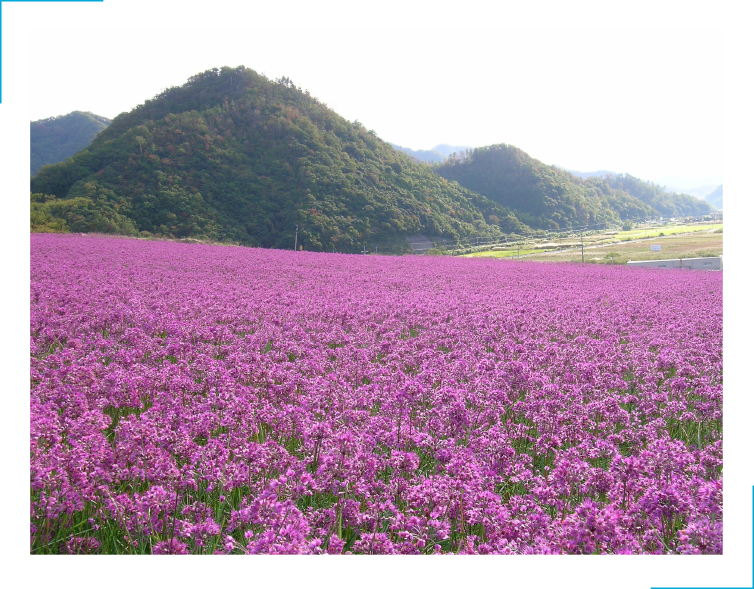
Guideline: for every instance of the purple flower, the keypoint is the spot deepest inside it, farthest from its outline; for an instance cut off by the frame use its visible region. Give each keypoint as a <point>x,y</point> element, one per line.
<point>202,399</point>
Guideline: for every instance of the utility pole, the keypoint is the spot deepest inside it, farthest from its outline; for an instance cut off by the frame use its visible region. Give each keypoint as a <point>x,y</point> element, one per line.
<point>582,247</point>
<point>295,241</point>
<point>364,250</point>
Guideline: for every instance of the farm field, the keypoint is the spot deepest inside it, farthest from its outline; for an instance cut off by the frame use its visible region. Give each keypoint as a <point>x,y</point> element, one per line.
<point>200,399</point>
<point>563,241</point>
<point>643,233</point>
<point>688,245</point>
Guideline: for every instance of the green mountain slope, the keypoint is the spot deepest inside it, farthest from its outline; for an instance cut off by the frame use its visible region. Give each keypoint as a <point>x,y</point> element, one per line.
<point>541,196</point>
<point>667,204</point>
<point>231,155</point>
<point>56,139</point>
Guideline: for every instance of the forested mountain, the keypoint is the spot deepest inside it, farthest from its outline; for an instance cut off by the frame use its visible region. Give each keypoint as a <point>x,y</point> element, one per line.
<point>542,196</point>
<point>56,139</point>
<point>715,198</point>
<point>233,156</point>
<point>667,204</point>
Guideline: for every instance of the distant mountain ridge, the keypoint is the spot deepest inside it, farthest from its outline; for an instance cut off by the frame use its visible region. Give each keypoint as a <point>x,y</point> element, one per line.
<point>715,198</point>
<point>668,202</point>
<point>697,191</point>
<point>544,197</point>
<point>585,175</point>
<point>697,188</point>
<point>422,155</point>
<point>448,150</point>
<point>547,197</point>
<point>435,155</point>
<point>55,139</point>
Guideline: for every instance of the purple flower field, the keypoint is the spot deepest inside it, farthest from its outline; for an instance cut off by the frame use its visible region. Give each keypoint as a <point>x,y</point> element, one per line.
<point>209,399</point>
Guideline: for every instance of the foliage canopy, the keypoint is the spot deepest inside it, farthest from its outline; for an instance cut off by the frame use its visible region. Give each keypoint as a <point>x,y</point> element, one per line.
<point>233,156</point>
<point>547,197</point>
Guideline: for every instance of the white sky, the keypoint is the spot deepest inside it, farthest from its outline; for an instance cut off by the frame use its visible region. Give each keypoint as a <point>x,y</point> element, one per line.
<point>639,101</point>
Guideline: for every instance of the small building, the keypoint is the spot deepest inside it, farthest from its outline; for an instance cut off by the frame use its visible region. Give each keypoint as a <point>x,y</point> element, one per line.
<point>712,263</point>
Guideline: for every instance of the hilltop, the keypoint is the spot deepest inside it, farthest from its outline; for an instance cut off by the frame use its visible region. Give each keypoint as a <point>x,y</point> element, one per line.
<point>667,204</point>
<point>56,139</point>
<point>234,156</point>
<point>542,196</point>
<point>547,197</point>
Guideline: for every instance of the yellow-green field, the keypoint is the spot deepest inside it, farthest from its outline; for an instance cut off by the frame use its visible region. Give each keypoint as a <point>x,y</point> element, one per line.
<point>689,245</point>
<point>669,230</point>
<point>689,241</point>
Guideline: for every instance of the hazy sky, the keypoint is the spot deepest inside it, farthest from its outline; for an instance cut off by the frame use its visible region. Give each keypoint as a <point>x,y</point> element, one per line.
<point>639,101</point>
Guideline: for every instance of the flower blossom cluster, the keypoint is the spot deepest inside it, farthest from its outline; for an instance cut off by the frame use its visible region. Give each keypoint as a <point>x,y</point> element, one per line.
<point>208,399</point>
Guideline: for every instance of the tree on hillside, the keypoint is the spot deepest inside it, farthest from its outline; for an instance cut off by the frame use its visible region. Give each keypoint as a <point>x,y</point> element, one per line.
<point>541,196</point>
<point>235,157</point>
